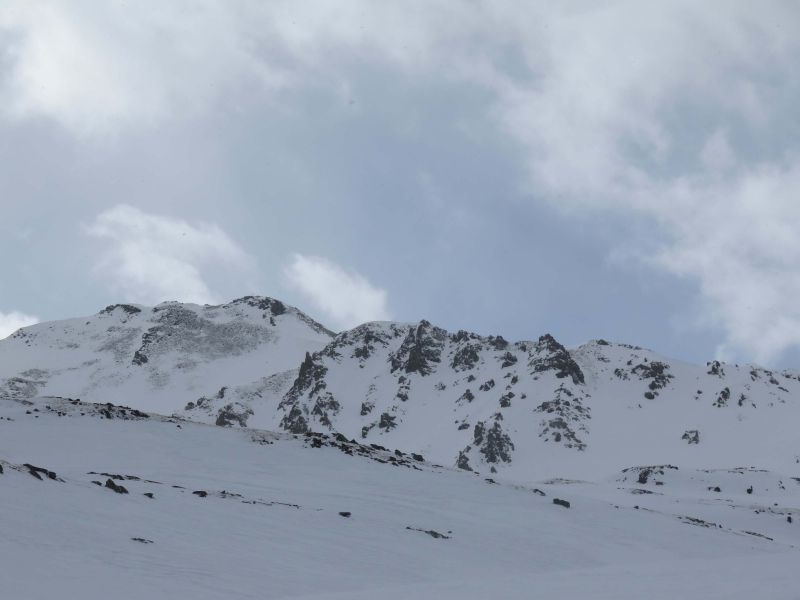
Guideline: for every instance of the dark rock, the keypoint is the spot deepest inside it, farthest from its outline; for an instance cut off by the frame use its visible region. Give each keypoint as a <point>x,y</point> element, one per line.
<point>498,445</point>
<point>692,436</point>
<point>563,503</point>
<point>468,396</point>
<point>462,462</point>
<point>466,357</point>
<point>228,415</point>
<point>430,532</point>
<point>463,426</point>
<point>565,412</point>
<point>657,371</point>
<point>142,540</point>
<point>722,399</point>
<point>117,488</point>
<point>487,386</point>
<point>139,358</point>
<point>422,346</point>
<point>200,493</point>
<point>129,309</point>
<point>508,360</point>
<point>97,483</point>
<point>345,514</point>
<point>750,490</point>
<point>387,422</point>
<point>417,457</point>
<point>549,355</point>
<point>149,495</point>
<point>716,369</point>
<point>36,470</point>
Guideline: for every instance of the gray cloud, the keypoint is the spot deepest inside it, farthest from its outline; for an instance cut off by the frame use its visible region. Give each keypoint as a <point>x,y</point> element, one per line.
<point>662,131</point>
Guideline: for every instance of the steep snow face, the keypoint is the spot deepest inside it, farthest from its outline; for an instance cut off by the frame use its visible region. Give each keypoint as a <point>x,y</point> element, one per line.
<point>157,358</point>
<point>529,409</point>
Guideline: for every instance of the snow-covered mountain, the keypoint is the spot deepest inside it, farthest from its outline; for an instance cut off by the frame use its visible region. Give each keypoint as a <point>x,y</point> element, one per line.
<point>391,461</point>
<point>529,409</point>
<point>157,358</point>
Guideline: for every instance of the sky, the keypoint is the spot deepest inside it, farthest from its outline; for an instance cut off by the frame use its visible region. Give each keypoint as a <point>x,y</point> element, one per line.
<point>619,170</point>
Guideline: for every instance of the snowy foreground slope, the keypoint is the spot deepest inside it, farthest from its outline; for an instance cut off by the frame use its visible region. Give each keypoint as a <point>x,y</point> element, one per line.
<point>267,522</point>
<point>528,410</point>
<point>157,358</point>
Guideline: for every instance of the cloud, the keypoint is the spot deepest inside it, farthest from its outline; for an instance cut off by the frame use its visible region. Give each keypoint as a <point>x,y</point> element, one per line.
<point>151,258</point>
<point>10,322</point>
<point>348,299</point>
<point>678,113</point>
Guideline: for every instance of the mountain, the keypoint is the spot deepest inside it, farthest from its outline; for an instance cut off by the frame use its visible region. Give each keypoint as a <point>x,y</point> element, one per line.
<point>393,460</point>
<point>529,409</point>
<point>526,409</point>
<point>102,500</point>
<point>157,358</point>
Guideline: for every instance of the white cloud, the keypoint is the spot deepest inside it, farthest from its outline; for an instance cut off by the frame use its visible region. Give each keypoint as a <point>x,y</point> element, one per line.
<point>151,258</point>
<point>347,298</point>
<point>10,322</point>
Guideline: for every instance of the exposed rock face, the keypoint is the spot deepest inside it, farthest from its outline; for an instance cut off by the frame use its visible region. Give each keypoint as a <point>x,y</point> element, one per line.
<point>233,413</point>
<point>420,350</point>
<point>548,355</point>
<point>564,414</point>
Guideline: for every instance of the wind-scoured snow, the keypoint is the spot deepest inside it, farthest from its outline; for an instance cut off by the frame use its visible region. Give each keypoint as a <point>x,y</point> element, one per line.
<point>244,513</point>
<point>157,358</point>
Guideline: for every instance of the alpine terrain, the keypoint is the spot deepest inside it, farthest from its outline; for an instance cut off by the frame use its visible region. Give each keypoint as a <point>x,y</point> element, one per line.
<point>246,451</point>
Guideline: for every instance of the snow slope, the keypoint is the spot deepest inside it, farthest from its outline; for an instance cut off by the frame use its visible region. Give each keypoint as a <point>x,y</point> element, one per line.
<point>157,358</point>
<point>527,409</point>
<point>269,524</point>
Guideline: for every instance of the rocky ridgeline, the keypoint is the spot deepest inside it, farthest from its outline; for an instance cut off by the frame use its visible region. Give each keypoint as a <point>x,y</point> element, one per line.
<point>479,401</point>
<point>471,401</point>
<point>378,378</point>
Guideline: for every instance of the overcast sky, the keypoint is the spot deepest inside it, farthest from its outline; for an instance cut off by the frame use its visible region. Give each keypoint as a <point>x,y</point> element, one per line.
<point>624,170</point>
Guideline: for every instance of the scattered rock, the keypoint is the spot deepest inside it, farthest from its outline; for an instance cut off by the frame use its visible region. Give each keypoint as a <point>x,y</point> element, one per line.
<point>564,503</point>
<point>117,488</point>
<point>200,493</point>
<point>431,532</point>
<point>142,540</point>
<point>149,495</point>
<point>692,436</point>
